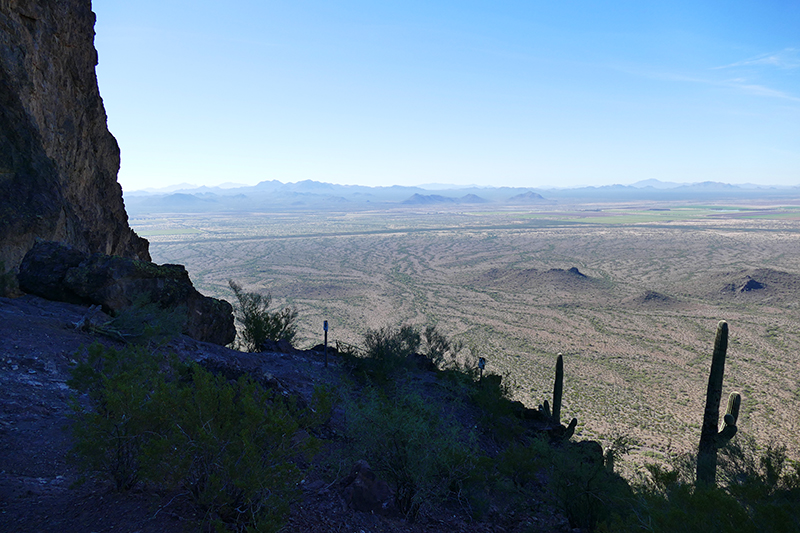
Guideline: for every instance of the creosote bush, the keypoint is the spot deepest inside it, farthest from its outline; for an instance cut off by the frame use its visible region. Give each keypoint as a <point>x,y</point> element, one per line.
<point>417,449</point>
<point>111,433</point>
<point>386,351</point>
<point>259,324</point>
<point>231,448</point>
<point>582,487</point>
<point>229,445</point>
<point>441,351</point>
<point>393,346</point>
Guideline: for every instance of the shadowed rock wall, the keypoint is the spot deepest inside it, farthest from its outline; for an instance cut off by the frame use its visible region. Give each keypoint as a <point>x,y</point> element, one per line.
<point>58,161</point>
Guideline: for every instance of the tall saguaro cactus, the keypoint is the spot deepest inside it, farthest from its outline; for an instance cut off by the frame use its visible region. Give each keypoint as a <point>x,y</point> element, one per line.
<point>560,432</point>
<point>558,388</point>
<point>711,438</point>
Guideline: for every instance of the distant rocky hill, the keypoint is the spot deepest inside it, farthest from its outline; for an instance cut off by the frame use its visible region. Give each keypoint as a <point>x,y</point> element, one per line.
<point>763,285</point>
<point>58,161</point>
<point>527,197</point>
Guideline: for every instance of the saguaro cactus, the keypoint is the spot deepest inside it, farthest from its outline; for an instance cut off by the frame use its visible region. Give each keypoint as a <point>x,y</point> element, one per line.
<point>555,416</point>
<point>711,438</point>
<point>558,388</point>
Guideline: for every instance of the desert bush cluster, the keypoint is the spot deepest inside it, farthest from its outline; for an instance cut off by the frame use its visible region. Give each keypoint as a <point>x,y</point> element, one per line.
<point>230,447</point>
<point>445,436</point>
<point>758,491</point>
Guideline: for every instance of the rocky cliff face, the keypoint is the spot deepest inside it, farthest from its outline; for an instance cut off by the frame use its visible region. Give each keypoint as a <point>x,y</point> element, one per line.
<point>58,161</point>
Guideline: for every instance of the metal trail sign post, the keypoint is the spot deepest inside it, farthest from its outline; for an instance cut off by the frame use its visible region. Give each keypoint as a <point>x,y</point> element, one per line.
<point>325,328</point>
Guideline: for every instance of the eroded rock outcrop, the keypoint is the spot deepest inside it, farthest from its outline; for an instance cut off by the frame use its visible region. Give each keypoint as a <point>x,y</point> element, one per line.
<point>58,161</point>
<point>58,272</point>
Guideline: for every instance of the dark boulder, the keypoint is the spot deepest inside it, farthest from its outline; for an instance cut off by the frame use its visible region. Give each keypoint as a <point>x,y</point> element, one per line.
<point>588,451</point>
<point>364,492</point>
<point>44,268</point>
<point>59,272</point>
<point>320,348</point>
<point>280,346</point>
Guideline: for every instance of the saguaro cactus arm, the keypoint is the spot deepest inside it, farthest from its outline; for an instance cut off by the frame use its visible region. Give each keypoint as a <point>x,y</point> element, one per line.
<point>570,429</point>
<point>545,409</point>
<point>729,428</point>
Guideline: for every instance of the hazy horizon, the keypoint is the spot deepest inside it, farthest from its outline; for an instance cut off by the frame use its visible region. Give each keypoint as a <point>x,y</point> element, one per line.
<point>441,186</point>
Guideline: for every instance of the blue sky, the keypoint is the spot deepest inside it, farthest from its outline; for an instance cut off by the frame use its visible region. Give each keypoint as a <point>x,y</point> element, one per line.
<point>520,93</point>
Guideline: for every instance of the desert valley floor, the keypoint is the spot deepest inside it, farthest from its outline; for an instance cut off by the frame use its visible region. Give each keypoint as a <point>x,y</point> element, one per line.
<point>630,294</point>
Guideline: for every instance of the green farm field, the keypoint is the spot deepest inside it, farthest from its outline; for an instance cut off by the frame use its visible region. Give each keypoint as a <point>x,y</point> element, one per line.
<point>631,295</point>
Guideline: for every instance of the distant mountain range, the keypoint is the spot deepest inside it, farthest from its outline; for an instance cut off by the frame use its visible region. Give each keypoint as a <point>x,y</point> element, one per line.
<point>429,199</point>
<point>275,195</point>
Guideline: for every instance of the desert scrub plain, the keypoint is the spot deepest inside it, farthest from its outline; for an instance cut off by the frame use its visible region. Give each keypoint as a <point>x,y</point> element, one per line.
<point>630,294</point>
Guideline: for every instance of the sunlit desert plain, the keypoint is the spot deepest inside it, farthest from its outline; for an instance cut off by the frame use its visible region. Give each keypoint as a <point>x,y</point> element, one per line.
<point>630,294</point>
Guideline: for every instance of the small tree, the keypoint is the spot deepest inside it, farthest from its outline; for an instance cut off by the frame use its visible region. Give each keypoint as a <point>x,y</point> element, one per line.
<point>390,343</point>
<point>386,351</point>
<point>259,324</point>
<point>439,349</point>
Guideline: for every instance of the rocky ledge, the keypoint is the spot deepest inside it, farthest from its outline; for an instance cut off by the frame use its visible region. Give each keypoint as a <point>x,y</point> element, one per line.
<point>59,272</point>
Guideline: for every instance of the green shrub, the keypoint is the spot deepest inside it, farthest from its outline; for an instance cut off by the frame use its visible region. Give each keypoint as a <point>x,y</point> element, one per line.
<point>411,445</point>
<point>392,345</point>
<point>386,351</point>
<point>439,349</point>
<point>497,412</point>
<point>584,490</point>
<point>111,434</point>
<point>319,412</point>
<point>687,509</point>
<point>484,490</point>
<point>682,507</point>
<point>230,445</point>
<point>765,482</point>
<point>522,463</point>
<point>508,482</point>
<point>259,324</point>
<point>759,490</point>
